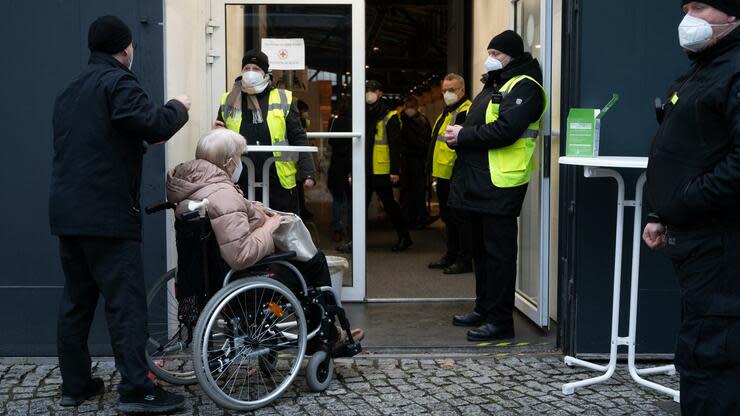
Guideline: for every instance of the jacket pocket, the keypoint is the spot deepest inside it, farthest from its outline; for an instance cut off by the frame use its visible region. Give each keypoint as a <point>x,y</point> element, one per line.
<point>511,158</point>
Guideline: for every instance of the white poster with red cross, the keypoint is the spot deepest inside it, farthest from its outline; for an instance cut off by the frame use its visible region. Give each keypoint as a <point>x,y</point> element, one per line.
<point>285,53</point>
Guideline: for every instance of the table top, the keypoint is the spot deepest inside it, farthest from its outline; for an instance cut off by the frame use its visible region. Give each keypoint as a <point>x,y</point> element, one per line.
<point>286,149</point>
<point>606,161</point>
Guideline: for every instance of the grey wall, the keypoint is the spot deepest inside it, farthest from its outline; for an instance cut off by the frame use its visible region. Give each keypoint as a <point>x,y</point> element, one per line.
<point>631,50</point>
<point>44,45</point>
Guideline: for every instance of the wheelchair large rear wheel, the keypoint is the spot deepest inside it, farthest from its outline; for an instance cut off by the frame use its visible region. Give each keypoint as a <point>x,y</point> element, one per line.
<point>249,343</point>
<point>169,346</point>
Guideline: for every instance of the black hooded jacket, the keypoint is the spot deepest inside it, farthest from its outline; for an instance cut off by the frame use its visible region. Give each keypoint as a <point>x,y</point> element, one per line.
<point>472,188</point>
<point>101,121</point>
<point>694,166</point>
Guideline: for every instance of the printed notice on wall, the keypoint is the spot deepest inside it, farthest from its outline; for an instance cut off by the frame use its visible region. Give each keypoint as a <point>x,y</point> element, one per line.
<point>285,53</point>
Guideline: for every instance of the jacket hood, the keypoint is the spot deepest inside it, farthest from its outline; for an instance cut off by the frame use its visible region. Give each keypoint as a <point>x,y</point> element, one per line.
<point>188,178</point>
<point>720,48</point>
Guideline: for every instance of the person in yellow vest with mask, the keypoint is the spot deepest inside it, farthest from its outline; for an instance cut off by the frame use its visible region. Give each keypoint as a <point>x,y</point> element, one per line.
<point>266,115</point>
<point>382,133</point>
<point>496,157</point>
<point>458,258</point>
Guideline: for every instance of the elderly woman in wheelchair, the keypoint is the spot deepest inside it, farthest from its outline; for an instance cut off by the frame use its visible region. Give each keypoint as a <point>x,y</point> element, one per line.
<point>247,315</point>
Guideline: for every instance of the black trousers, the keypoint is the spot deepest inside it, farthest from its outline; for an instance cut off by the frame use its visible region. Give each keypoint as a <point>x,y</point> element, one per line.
<point>457,224</point>
<point>494,254</point>
<point>707,262</point>
<point>113,268</point>
<point>413,198</point>
<point>381,185</point>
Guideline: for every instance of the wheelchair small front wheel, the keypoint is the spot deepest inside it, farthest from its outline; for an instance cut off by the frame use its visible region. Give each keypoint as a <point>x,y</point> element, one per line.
<point>319,371</point>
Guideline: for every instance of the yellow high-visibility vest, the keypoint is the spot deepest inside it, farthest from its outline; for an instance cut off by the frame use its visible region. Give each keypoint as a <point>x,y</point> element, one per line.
<point>444,158</point>
<point>381,150</point>
<point>513,165</point>
<point>278,106</point>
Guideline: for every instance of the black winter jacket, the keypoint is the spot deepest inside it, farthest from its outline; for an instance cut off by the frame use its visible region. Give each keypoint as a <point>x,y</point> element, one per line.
<point>694,165</point>
<point>415,134</point>
<point>471,187</point>
<point>100,123</point>
<point>374,114</point>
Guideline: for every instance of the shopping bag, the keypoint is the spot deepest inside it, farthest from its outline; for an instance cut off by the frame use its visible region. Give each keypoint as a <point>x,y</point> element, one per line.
<point>292,235</point>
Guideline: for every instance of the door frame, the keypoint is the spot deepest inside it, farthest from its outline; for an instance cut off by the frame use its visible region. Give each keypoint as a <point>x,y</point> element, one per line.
<point>216,81</point>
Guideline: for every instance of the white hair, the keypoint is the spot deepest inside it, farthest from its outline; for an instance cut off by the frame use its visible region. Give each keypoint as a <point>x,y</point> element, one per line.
<point>220,145</point>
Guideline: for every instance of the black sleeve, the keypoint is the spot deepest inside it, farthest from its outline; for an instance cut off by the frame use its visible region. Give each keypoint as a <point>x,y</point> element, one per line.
<point>393,129</point>
<point>297,137</point>
<point>520,108</point>
<point>460,119</point>
<point>133,111</point>
<point>719,189</point>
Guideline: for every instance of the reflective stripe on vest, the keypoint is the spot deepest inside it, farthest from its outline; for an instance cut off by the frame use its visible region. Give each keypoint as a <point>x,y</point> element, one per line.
<point>278,107</point>
<point>513,165</point>
<point>381,150</point>
<point>444,158</point>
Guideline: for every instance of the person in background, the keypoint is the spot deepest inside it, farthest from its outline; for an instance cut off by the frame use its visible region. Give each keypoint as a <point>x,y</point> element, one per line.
<point>305,214</point>
<point>495,160</point>
<point>102,120</point>
<point>267,115</point>
<point>415,133</point>
<point>693,188</point>
<point>458,258</point>
<point>340,170</point>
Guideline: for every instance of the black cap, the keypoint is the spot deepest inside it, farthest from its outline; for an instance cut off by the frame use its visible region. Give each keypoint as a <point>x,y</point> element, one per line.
<point>257,57</point>
<point>508,42</point>
<point>731,7</point>
<point>373,85</point>
<point>108,34</point>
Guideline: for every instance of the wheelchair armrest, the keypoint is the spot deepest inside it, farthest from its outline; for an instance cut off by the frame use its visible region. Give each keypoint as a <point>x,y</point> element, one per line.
<point>285,255</point>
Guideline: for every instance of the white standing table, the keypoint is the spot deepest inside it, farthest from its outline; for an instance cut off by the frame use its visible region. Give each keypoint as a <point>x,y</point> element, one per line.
<point>598,167</point>
<point>265,184</point>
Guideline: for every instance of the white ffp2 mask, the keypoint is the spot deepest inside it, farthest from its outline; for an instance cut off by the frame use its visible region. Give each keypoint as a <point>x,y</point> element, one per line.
<point>492,64</point>
<point>237,171</point>
<point>371,97</point>
<point>450,97</point>
<point>254,82</point>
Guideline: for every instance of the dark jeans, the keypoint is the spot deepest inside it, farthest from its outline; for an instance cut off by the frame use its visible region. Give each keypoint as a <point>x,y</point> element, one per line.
<point>494,254</point>
<point>413,198</point>
<point>113,268</point>
<point>707,262</point>
<point>457,224</point>
<point>381,185</point>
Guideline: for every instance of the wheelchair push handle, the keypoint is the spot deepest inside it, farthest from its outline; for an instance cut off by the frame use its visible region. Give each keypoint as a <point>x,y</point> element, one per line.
<point>159,207</point>
<point>200,206</point>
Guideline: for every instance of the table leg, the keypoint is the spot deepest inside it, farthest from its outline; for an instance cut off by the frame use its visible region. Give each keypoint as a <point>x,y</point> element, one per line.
<point>569,388</point>
<point>266,181</point>
<point>251,179</point>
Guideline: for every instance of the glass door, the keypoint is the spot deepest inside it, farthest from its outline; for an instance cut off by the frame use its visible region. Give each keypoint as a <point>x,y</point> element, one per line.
<point>316,50</point>
<point>533,21</point>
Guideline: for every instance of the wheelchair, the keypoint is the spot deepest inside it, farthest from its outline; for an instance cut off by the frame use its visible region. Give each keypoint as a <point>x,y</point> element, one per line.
<point>242,335</point>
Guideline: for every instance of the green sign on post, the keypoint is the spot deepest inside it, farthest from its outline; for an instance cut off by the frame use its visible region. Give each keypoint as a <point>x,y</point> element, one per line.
<point>584,130</point>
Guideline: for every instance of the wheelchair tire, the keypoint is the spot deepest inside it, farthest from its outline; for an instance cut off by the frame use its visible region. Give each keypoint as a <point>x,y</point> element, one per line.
<point>319,371</point>
<point>173,366</point>
<point>226,324</point>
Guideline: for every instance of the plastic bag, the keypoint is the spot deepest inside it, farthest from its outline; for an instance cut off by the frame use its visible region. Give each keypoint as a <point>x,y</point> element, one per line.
<point>292,235</point>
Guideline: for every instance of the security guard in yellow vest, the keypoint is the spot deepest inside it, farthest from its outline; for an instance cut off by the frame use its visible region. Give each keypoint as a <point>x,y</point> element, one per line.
<point>382,131</point>
<point>266,115</point>
<point>458,258</point>
<point>495,148</point>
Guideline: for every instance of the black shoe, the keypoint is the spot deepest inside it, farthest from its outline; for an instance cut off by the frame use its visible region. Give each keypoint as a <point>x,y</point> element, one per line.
<point>157,400</point>
<point>491,332</point>
<point>94,387</point>
<point>403,244</point>
<point>469,319</point>
<point>442,263</point>
<point>458,268</point>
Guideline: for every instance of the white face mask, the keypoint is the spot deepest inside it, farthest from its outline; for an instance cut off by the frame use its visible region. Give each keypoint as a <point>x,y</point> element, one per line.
<point>493,64</point>
<point>410,112</point>
<point>237,172</point>
<point>371,97</point>
<point>450,97</point>
<point>254,82</point>
<point>695,34</point>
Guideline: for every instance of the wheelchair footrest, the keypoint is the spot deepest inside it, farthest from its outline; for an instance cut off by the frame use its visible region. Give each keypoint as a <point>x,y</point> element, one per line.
<point>347,350</point>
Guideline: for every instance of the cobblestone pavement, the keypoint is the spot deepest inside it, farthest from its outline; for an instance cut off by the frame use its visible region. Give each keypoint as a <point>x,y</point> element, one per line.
<point>377,385</point>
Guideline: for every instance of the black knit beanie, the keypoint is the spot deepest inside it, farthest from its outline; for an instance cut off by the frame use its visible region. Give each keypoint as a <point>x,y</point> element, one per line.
<point>257,57</point>
<point>508,42</point>
<point>108,34</point>
<point>731,7</point>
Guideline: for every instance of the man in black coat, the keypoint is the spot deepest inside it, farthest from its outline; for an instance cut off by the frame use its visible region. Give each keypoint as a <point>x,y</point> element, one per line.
<point>415,138</point>
<point>693,189</point>
<point>101,121</point>
<point>486,150</point>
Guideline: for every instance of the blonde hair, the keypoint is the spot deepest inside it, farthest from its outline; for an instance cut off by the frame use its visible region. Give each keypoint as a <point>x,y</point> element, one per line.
<point>220,145</point>
<point>455,77</point>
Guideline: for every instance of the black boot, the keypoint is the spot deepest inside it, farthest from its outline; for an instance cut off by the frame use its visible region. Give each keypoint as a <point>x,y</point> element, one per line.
<point>458,268</point>
<point>156,400</point>
<point>491,332</point>
<point>94,387</point>
<point>403,243</point>
<point>442,263</point>
<point>469,319</point>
